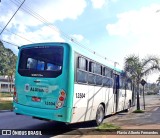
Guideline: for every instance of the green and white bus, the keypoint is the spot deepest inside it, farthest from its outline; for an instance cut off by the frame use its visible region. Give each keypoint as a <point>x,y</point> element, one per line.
<point>57,81</point>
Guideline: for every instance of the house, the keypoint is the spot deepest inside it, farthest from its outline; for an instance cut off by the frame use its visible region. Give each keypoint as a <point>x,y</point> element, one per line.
<point>5,84</point>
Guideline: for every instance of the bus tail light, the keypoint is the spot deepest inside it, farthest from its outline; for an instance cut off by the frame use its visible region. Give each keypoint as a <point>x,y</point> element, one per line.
<point>15,96</point>
<point>61,99</point>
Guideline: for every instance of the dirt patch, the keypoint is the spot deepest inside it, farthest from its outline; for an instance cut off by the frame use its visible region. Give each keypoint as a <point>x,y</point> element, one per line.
<point>6,99</point>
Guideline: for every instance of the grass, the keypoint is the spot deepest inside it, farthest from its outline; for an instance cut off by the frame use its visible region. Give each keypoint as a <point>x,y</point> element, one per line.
<point>107,126</point>
<point>138,111</point>
<point>5,94</point>
<point>6,105</point>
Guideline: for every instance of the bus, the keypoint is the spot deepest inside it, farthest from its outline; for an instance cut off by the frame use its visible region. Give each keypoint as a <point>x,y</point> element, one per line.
<point>60,82</point>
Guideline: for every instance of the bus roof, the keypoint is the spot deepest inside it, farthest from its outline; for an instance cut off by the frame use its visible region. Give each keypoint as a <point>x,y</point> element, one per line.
<point>93,56</point>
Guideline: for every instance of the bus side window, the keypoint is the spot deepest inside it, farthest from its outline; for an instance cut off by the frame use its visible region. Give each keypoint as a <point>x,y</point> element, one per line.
<point>108,82</point>
<point>107,79</point>
<point>82,63</point>
<point>98,71</point>
<point>82,70</point>
<point>91,75</point>
<point>91,67</point>
<point>107,72</point>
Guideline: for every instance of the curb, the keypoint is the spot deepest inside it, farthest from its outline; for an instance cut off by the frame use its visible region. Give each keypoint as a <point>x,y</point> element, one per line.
<point>4,111</point>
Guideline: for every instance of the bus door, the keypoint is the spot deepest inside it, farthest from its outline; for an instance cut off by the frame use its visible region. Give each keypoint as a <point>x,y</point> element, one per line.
<point>116,92</point>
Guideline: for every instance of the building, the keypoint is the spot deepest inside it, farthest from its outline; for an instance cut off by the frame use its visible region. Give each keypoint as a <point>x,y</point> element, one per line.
<point>5,84</point>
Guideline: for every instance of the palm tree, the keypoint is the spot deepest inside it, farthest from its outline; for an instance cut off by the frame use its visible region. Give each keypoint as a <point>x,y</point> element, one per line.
<point>158,80</point>
<point>140,68</point>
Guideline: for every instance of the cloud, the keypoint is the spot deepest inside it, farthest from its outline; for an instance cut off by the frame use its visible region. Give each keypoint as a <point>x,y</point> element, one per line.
<point>139,22</point>
<point>50,10</point>
<point>97,4</point>
<point>29,27</point>
<point>141,27</point>
<point>78,37</point>
<point>62,9</point>
<point>43,34</point>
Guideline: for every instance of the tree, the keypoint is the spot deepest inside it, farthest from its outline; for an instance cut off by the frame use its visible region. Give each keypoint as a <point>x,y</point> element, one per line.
<point>158,80</point>
<point>140,68</point>
<point>7,63</point>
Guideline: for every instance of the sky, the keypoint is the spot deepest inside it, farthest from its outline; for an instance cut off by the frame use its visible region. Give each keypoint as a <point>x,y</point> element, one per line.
<point>113,28</point>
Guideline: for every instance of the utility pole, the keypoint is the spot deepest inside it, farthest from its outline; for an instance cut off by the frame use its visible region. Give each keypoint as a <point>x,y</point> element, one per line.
<point>12,17</point>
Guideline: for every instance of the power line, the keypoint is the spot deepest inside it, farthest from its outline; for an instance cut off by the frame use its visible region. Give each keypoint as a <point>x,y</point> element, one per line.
<point>10,43</point>
<point>18,35</point>
<point>11,17</point>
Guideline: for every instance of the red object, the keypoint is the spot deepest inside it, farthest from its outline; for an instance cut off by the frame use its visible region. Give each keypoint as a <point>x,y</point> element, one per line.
<point>61,98</point>
<point>14,89</point>
<point>36,99</point>
<point>63,93</point>
<point>14,93</point>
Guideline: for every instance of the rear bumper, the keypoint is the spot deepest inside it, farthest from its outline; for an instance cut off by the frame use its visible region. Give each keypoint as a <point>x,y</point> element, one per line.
<point>63,114</point>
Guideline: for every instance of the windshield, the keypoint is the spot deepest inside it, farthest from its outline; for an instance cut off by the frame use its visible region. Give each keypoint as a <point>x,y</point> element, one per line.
<point>46,61</point>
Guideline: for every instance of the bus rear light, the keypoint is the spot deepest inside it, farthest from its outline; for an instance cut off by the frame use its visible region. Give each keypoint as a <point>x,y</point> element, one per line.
<point>63,93</point>
<point>59,104</point>
<point>15,96</point>
<point>14,89</point>
<point>61,99</point>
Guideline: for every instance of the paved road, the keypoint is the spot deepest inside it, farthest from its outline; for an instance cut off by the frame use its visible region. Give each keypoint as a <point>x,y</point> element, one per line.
<point>8,120</point>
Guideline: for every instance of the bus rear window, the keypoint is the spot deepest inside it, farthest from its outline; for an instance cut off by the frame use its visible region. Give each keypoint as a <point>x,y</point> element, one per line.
<point>41,61</point>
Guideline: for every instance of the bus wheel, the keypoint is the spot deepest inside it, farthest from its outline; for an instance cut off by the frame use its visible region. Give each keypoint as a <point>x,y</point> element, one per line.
<point>100,115</point>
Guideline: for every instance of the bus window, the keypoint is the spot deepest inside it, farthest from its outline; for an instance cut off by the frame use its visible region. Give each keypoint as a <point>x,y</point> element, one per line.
<point>82,63</point>
<point>40,65</point>
<point>35,64</point>
<point>81,76</point>
<point>82,70</point>
<point>108,82</point>
<point>53,67</point>
<point>98,69</point>
<point>107,72</point>
<point>35,61</point>
<point>91,78</point>
<point>31,63</point>
<point>98,80</point>
<point>92,67</point>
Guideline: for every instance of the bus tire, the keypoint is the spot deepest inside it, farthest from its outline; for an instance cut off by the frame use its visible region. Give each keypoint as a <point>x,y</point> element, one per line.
<point>99,115</point>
